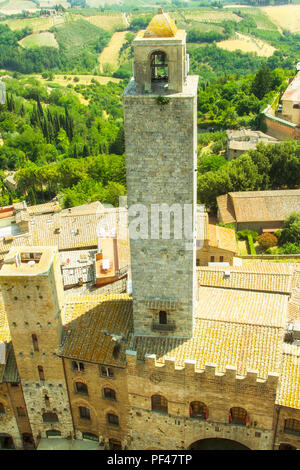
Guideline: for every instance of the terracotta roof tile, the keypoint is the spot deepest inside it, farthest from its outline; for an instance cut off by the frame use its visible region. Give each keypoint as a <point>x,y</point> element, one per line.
<point>266,277</point>
<point>288,393</point>
<point>87,319</point>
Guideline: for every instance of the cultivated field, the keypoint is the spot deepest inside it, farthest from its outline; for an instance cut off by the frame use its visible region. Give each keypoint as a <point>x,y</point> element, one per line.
<point>107,22</point>
<point>39,40</point>
<point>52,3</point>
<point>109,57</point>
<point>247,44</point>
<point>210,16</point>
<point>17,6</point>
<point>36,24</point>
<point>101,3</point>
<point>285,16</point>
<point>83,79</point>
<point>64,80</point>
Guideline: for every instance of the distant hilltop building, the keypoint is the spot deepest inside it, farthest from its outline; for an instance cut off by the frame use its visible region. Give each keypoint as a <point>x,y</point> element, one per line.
<point>240,141</point>
<point>284,123</point>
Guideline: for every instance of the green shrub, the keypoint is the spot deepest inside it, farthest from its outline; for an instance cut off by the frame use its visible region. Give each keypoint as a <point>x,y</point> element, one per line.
<point>289,249</point>
<point>251,244</point>
<point>267,240</point>
<point>244,234</point>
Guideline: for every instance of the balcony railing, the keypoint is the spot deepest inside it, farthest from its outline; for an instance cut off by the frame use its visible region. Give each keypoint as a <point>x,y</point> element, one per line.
<point>170,326</point>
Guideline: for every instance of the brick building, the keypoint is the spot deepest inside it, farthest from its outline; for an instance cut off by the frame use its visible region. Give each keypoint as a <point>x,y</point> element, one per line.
<point>196,358</point>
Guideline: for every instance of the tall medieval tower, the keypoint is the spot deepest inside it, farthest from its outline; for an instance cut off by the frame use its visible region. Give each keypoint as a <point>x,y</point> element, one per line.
<point>33,296</point>
<point>160,120</point>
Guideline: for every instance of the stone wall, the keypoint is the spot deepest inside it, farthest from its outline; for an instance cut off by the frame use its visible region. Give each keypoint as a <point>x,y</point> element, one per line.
<point>161,142</point>
<point>8,422</point>
<point>278,129</point>
<point>282,436</point>
<point>33,305</point>
<point>204,255</point>
<point>95,401</point>
<point>151,429</point>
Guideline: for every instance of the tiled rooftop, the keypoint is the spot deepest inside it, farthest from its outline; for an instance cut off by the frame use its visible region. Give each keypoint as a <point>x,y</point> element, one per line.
<point>223,238</point>
<point>267,277</point>
<point>292,93</point>
<point>232,328</point>
<point>69,229</point>
<point>288,393</point>
<point>86,320</point>
<point>258,206</point>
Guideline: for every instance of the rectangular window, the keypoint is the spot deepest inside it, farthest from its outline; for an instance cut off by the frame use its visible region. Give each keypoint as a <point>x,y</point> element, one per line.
<point>106,371</point>
<point>113,419</point>
<point>221,259</point>
<point>77,366</point>
<point>212,259</point>
<point>84,413</point>
<point>21,411</point>
<point>41,373</point>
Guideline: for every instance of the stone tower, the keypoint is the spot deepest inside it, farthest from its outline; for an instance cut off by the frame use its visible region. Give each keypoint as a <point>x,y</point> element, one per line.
<point>33,297</point>
<point>160,120</point>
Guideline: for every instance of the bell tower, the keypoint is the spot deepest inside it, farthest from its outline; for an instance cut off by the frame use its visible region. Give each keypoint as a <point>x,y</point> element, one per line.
<point>160,121</point>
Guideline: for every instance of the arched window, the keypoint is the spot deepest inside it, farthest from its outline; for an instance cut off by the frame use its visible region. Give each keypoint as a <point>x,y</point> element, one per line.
<point>198,410</point>
<point>159,403</point>
<point>2,409</point>
<point>21,411</point>
<point>292,426</point>
<point>238,416</point>
<point>35,342</point>
<point>159,67</point>
<point>162,317</point>
<point>109,394</point>
<point>50,417</point>
<point>112,419</point>
<point>82,388</point>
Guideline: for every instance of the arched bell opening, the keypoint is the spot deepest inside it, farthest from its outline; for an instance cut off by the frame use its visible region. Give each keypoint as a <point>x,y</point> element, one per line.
<point>159,68</point>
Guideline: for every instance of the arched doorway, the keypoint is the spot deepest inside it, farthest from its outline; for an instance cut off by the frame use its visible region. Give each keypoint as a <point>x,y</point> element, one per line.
<point>28,442</point>
<point>217,444</point>
<point>286,447</point>
<point>6,441</point>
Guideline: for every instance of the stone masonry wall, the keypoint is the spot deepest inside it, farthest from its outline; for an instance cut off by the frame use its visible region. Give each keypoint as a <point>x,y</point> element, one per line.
<point>150,429</point>
<point>8,422</point>
<point>95,401</point>
<point>33,305</point>
<point>161,168</point>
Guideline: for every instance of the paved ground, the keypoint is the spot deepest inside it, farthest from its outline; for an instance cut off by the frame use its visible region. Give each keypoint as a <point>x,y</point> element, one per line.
<point>65,444</point>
